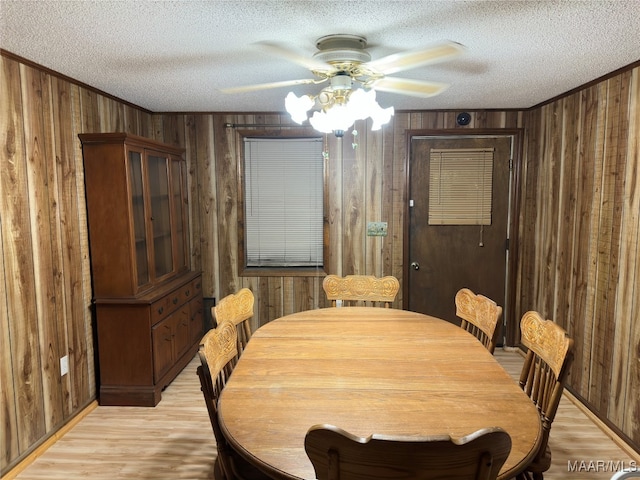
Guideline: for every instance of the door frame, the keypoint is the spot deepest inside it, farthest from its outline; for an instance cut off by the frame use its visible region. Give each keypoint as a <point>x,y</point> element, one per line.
<point>511,322</point>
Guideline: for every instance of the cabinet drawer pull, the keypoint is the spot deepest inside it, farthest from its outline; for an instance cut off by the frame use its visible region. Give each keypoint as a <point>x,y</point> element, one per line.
<point>187,293</point>
<point>175,300</point>
<point>160,310</point>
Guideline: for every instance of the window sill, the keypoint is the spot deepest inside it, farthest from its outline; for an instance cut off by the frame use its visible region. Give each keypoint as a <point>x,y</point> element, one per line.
<point>283,272</point>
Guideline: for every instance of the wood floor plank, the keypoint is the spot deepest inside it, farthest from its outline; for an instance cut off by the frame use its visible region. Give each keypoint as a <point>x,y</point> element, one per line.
<point>174,440</point>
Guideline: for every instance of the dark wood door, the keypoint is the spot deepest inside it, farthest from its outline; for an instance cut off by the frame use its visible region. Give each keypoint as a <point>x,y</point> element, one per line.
<point>445,258</point>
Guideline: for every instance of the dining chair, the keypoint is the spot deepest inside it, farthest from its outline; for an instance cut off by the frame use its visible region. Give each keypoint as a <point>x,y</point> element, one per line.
<point>480,316</point>
<point>218,352</point>
<point>337,454</point>
<point>543,376</point>
<point>361,290</point>
<point>238,308</point>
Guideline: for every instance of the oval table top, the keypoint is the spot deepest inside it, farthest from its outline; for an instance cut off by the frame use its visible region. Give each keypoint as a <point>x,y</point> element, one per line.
<point>368,370</point>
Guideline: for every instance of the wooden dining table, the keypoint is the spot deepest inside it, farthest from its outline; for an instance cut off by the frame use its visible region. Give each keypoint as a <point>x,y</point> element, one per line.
<point>368,370</point>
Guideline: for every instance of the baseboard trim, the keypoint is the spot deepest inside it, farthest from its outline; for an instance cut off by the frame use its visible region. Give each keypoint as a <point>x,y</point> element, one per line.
<point>44,446</point>
<point>628,449</point>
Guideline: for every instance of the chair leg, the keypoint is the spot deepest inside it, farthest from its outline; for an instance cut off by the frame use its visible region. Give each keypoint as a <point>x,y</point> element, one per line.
<point>218,474</point>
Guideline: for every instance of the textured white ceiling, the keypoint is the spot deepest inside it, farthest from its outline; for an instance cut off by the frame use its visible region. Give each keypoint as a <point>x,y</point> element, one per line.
<point>173,56</point>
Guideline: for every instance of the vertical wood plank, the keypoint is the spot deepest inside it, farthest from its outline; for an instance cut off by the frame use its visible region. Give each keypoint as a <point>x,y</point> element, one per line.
<point>205,187</point>
<point>71,205</point>
<point>54,325</point>
<point>608,239</point>
<point>399,125</point>
<point>335,205</point>
<point>226,185</point>
<point>11,192</point>
<point>526,268</point>
<point>372,159</point>
<point>394,237</point>
<point>193,170</point>
<point>597,150</point>
<point>566,214</point>
<point>90,116</point>
<point>77,124</point>
<point>354,170</point>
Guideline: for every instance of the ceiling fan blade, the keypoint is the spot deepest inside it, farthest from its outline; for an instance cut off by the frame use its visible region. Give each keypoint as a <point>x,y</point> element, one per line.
<point>406,86</point>
<point>287,53</point>
<point>266,86</point>
<point>416,58</point>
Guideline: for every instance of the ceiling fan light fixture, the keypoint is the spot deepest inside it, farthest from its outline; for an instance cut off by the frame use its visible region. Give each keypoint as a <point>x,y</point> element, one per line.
<point>381,117</point>
<point>337,119</point>
<point>298,106</point>
<point>339,109</point>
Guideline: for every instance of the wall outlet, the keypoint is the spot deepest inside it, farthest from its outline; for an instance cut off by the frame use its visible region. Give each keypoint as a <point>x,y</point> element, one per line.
<point>377,229</point>
<point>64,365</point>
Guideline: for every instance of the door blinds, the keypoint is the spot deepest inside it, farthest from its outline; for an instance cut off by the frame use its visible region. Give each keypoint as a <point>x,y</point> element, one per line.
<point>460,186</point>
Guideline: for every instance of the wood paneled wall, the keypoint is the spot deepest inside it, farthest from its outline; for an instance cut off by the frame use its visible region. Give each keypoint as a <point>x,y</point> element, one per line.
<point>45,289</point>
<point>579,231</point>
<point>580,238</point>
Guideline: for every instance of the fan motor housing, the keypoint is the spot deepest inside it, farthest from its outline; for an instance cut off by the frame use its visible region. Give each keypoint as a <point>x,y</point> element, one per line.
<point>342,48</point>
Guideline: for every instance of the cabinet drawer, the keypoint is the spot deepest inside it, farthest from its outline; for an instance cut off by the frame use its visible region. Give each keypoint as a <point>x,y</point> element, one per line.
<point>160,310</point>
<point>193,290</point>
<point>174,300</point>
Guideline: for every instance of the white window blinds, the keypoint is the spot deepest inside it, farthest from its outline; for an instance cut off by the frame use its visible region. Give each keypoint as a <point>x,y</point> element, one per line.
<point>460,186</point>
<point>283,202</point>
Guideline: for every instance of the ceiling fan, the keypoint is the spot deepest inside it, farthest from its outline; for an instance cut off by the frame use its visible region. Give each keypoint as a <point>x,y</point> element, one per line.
<point>343,61</point>
<point>346,55</point>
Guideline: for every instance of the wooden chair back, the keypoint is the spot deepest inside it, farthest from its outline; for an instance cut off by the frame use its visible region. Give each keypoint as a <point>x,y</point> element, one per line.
<point>544,373</point>
<point>339,455</point>
<point>480,316</point>
<point>361,290</point>
<point>218,353</point>
<point>237,308</point>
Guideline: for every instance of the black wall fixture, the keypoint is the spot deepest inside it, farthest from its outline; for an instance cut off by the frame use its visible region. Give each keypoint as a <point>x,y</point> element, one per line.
<point>463,118</point>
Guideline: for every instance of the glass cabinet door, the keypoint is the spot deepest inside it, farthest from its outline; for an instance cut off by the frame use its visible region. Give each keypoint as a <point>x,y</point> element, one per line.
<point>138,211</point>
<point>179,192</point>
<point>159,199</point>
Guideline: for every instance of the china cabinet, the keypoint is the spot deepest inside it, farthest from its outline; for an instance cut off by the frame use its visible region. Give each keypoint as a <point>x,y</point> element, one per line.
<point>148,303</point>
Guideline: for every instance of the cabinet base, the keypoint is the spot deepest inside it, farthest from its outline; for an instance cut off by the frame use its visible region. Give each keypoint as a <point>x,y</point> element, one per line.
<point>136,396</point>
<point>143,395</point>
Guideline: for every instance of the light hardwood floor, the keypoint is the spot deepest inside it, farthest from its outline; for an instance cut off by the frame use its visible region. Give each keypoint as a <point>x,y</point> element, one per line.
<point>174,440</point>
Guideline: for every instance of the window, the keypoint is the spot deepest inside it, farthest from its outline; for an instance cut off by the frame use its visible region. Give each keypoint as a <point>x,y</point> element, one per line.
<point>460,186</point>
<point>283,203</point>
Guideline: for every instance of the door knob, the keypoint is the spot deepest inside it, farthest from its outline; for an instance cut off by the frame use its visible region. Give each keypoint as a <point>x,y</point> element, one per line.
<point>415,265</point>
